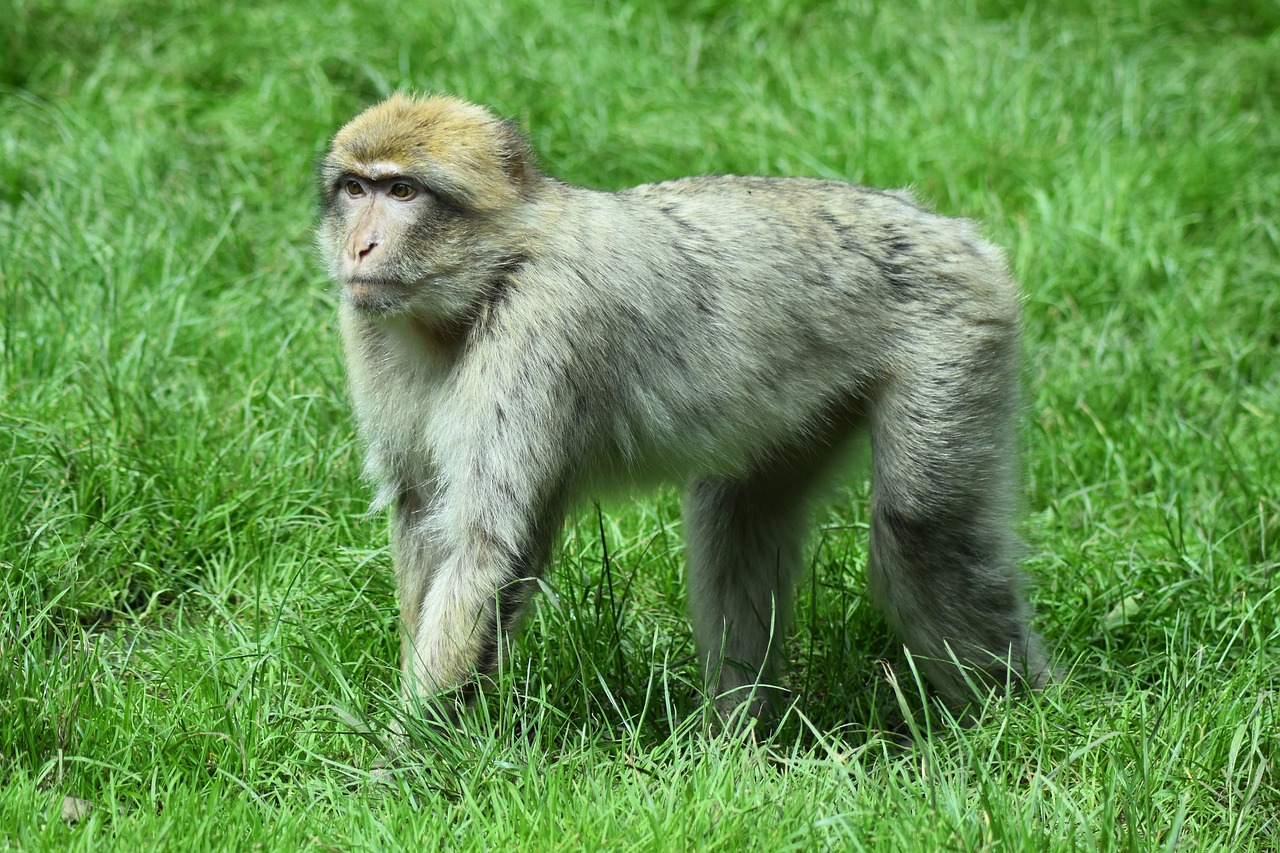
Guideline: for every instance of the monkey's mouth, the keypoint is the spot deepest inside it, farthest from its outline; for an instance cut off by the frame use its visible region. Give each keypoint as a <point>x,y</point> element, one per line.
<point>356,283</point>
<point>364,285</point>
<point>374,294</point>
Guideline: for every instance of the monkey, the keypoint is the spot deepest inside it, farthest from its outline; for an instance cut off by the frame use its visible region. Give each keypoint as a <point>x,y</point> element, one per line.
<point>515,343</point>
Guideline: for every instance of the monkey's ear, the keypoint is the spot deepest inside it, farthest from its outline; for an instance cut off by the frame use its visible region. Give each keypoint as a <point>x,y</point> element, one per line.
<point>516,154</point>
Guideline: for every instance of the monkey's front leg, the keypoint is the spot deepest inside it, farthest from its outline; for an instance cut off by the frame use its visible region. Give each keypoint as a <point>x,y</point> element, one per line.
<point>464,582</point>
<point>473,596</point>
<point>417,557</point>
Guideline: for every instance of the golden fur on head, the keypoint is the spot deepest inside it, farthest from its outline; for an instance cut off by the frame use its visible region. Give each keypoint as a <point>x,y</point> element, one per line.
<point>461,150</point>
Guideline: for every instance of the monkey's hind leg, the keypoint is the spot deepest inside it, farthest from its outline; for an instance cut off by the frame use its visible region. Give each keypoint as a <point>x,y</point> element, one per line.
<point>943,559</point>
<point>745,539</point>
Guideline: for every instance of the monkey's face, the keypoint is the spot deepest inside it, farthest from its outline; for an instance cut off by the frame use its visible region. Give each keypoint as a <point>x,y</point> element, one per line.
<point>377,232</point>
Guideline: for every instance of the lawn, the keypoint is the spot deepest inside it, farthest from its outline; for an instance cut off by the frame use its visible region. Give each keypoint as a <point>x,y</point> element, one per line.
<point>198,648</point>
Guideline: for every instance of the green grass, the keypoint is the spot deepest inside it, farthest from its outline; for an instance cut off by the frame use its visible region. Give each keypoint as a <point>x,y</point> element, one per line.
<point>199,625</point>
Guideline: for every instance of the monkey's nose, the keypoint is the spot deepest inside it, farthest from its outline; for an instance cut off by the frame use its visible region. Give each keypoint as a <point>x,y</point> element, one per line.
<point>361,243</point>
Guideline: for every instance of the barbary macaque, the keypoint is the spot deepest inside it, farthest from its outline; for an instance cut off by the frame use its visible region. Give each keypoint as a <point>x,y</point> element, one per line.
<point>515,344</point>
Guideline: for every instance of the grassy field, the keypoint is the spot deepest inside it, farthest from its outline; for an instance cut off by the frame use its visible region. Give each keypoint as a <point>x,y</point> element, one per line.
<point>199,631</point>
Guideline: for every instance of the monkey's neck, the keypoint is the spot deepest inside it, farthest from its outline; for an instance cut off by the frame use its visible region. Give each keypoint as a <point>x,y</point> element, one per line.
<point>402,342</point>
<point>442,342</point>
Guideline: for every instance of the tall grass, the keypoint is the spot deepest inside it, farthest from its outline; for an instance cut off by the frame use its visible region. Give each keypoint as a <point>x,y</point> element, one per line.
<point>199,630</point>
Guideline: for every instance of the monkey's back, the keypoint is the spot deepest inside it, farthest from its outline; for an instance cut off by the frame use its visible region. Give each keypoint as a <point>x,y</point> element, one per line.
<point>711,312</point>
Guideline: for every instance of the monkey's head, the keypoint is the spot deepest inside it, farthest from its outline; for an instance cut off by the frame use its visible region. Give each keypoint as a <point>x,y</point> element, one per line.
<point>420,201</point>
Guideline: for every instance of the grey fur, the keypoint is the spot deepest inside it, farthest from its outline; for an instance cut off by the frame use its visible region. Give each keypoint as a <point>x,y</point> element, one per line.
<point>733,333</point>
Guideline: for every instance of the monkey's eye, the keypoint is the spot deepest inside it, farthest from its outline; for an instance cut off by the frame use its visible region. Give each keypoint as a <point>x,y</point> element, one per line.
<point>402,191</point>
<point>353,187</point>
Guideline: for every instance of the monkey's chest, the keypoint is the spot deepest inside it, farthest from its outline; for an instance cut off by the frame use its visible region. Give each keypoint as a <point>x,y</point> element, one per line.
<point>395,390</point>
